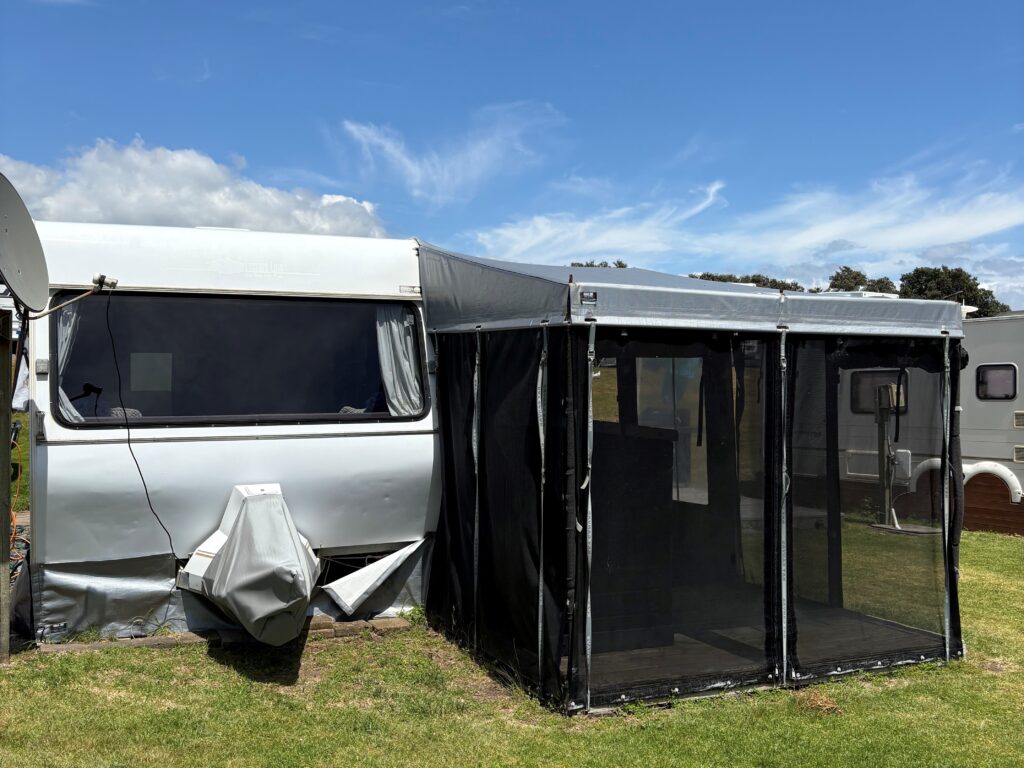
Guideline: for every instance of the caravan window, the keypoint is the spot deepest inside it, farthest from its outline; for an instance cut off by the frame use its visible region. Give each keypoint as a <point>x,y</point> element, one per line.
<point>187,359</point>
<point>996,382</point>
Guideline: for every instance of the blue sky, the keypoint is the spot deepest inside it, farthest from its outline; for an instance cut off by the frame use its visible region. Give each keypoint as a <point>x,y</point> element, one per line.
<point>786,137</point>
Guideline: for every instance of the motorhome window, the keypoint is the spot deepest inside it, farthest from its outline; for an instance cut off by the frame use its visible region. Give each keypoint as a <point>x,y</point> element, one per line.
<point>187,359</point>
<point>997,382</point>
<point>864,387</point>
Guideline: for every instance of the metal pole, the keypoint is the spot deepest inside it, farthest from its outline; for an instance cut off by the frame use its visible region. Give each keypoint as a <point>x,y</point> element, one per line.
<point>783,510</point>
<point>884,464</point>
<point>5,494</point>
<point>590,505</point>
<point>947,412</point>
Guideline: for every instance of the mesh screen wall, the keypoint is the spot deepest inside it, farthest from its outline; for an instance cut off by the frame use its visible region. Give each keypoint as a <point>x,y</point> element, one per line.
<point>865,505</point>
<point>677,584</point>
<point>697,571</point>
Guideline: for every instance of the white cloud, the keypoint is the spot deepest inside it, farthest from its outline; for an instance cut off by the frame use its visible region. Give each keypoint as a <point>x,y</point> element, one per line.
<point>594,187</point>
<point>633,232</point>
<point>497,144</point>
<point>892,226</point>
<point>136,184</point>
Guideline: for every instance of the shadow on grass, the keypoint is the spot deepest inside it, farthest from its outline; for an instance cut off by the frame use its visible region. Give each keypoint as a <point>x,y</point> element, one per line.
<point>261,663</point>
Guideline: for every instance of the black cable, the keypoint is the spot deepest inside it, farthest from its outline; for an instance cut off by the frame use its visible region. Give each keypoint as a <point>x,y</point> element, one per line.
<point>124,413</point>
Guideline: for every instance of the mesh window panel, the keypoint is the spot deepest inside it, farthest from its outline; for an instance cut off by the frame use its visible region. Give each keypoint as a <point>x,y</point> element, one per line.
<point>865,516</point>
<point>677,583</point>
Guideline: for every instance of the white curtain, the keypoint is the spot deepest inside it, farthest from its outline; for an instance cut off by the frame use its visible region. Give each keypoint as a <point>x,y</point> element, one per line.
<point>67,329</point>
<point>399,364</point>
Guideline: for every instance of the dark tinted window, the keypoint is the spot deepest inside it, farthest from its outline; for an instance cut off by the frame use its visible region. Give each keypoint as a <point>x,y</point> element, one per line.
<point>210,359</point>
<point>864,386</point>
<point>996,382</point>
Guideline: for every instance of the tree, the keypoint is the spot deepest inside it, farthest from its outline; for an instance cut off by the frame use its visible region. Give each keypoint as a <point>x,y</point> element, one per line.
<point>761,281</point>
<point>953,284</point>
<point>849,279</point>
<point>618,264</point>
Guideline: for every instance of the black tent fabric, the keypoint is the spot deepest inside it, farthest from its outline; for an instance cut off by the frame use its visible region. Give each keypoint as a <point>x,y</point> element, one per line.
<point>649,510</point>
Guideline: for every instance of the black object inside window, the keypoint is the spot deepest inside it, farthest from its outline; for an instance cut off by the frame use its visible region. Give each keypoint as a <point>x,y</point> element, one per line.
<point>996,382</point>
<point>187,359</point>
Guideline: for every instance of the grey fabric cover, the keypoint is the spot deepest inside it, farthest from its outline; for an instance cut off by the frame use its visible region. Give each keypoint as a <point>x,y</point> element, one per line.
<point>399,362</point>
<point>463,293</point>
<point>264,574</point>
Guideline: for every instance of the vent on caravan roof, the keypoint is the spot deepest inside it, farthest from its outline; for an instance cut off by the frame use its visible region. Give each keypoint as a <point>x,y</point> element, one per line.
<point>1018,419</point>
<point>1018,454</point>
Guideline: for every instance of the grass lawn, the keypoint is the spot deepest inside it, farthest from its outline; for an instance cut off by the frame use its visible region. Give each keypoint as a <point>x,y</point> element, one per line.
<point>412,699</point>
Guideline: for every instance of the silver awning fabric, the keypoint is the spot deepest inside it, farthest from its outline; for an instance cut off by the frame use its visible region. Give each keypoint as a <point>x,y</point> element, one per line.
<point>464,293</point>
<point>256,567</point>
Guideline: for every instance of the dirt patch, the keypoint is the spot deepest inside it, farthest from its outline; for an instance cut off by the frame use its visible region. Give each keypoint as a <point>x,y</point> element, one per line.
<point>998,666</point>
<point>310,672</point>
<point>817,701</point>
<point>108,694</point>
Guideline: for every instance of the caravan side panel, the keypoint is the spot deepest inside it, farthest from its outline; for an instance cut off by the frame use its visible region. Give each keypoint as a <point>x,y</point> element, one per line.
<point>992,430</point>
<point>359,476</point>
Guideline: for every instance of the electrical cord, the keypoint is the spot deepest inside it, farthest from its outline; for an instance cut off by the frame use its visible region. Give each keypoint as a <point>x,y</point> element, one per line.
<point>127,426</point>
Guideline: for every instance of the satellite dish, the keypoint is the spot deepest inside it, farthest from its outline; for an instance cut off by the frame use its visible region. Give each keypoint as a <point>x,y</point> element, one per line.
<point>22,264</point>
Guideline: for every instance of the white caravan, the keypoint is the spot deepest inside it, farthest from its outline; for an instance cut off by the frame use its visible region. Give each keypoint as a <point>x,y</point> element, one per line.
<point>222,358</point>
<point>992,422</point>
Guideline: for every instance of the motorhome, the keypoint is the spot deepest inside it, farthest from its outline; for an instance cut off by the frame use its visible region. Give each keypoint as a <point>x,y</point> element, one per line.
<point>222,358</point>
<point>992,423</point>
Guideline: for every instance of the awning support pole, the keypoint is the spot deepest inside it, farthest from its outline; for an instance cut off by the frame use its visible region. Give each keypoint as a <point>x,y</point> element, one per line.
<point>946,418</point>
<point>476,499</point>
<point>542,404</point>
<point>783,516</point>
<point>586,486</point>
<point>5,498</point>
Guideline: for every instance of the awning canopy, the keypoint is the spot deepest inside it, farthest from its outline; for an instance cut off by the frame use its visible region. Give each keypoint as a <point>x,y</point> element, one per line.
<point>465,293</point>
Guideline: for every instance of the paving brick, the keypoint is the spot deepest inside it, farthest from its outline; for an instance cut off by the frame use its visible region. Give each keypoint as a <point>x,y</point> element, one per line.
<point>320,634</point>
<point>387,626</point>
<point>350,628</point>
<point>190,638</point>
<point>321,622</point>
<point>156,641</point>
<point>70,647</point>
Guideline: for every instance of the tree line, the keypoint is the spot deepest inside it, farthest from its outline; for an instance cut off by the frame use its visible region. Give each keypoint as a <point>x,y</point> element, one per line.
<point>952,283</point>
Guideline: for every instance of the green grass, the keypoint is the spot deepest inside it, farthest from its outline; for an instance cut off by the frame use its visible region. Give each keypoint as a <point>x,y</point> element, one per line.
<point>412,699</point>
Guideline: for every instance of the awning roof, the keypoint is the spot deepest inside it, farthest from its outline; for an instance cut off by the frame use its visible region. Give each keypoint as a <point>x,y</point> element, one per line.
<point>464,293</point>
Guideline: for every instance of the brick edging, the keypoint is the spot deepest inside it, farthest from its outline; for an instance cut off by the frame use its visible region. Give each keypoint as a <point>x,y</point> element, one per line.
<point>320,627</point>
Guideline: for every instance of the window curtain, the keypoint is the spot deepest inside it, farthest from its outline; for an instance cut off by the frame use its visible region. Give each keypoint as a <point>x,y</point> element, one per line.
<point>68,320</point>
<point>399,364</point>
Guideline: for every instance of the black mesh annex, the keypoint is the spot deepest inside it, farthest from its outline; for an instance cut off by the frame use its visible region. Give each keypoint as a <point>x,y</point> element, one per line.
<point>484,582</point>
<point>509,553</point>
<point>450,601</point>
<point>865,503</point>
<point>677,587</point>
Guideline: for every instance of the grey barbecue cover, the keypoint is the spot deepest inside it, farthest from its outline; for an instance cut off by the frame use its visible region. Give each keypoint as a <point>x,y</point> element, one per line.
<point>262,570</point>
